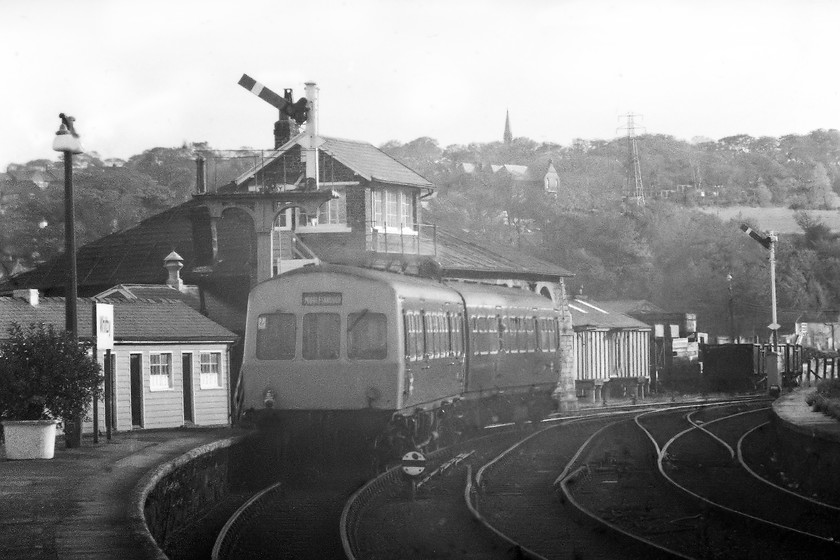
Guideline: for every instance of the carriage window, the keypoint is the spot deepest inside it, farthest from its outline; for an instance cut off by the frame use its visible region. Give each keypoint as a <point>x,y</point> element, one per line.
<point>321,336</point>
<point>419,340</point>
<point>517,343</point>
<point>430,328</point>
<point>532,333</point>
<point>367,336</point>
<point>443,335</point>
<point>457,342</point>
<point>501,330</point>
<point>276,335</point>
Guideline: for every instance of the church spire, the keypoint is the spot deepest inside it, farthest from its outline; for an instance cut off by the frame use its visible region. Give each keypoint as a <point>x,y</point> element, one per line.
<point>508,136</point>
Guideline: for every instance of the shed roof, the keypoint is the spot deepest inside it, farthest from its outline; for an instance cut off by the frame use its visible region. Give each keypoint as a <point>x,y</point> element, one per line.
<point>634,306</point>
<point>134,320</point>
<point>224,313</point>
<point>590,314</point>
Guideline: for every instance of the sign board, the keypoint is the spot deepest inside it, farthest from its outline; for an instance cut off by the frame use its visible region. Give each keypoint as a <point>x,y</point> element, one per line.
<point>321,298</point>
<point>413,464</point>
<point>104,325</point>
<point>659,331</point>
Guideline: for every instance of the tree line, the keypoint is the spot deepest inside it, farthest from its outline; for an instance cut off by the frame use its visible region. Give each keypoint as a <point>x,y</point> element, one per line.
<point>666,252</point>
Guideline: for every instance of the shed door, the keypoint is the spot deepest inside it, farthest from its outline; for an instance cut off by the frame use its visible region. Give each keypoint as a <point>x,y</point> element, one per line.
<point>187,362</point>
<point>136,390</point>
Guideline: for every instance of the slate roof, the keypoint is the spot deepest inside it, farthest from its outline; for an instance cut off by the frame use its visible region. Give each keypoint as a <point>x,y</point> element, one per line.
<point>222,312</point>
<point>372,163</point>
<point>460,253</point>
<point>633,306</point>
<point>364,159</point>
<point>590,314</point>
<point>137,320</point>
<point>134,255</point>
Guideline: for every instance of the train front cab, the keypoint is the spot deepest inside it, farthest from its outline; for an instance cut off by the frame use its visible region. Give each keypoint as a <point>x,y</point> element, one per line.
<point>323,354</point>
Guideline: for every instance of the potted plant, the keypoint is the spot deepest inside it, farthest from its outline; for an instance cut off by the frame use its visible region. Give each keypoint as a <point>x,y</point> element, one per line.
<point>45,375</point>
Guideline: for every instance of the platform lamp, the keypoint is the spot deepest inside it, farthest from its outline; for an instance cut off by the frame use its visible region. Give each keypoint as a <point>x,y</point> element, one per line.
<point>67,141</point>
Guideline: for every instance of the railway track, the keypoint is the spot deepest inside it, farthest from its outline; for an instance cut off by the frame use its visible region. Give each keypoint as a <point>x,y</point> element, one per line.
<point>639,482</point>
<point>687,492</point>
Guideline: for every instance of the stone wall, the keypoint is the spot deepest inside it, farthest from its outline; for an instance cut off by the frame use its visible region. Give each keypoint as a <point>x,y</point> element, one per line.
<point>807,452</point>
<point>182,490</point>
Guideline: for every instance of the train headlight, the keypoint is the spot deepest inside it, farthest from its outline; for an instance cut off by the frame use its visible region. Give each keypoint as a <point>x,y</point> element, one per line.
<point>268,398</point>
<point>373,394</point>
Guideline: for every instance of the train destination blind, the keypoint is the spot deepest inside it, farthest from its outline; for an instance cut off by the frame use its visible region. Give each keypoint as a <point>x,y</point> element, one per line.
<point>321,298</point>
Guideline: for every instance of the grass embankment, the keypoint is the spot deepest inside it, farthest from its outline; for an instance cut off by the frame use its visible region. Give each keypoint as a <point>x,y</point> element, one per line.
<point>826,398</point>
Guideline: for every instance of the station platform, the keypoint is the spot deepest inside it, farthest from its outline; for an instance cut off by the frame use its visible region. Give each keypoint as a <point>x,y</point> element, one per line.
<point>78,505</point>
<point>797,415</point>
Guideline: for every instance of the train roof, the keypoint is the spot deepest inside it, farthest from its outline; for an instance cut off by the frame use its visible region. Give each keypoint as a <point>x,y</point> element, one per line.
<point>397,281</point>
<point>474,294</point>
<point>484,295</point>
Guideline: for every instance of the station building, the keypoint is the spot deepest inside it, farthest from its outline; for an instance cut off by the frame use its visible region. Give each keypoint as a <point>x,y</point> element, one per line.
<point>312,199</point>
<point>171,364</point>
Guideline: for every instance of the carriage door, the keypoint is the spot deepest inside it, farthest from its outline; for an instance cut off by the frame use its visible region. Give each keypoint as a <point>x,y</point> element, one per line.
<point>136,390</point>
<point>187,370</point>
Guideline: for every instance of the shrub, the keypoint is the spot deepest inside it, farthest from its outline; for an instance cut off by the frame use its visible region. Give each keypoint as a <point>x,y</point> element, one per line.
<point>829,388</point>
<point>46,374</point>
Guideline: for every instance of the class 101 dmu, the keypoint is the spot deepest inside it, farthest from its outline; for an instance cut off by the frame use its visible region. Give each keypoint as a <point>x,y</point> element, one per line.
<point>404,362</point>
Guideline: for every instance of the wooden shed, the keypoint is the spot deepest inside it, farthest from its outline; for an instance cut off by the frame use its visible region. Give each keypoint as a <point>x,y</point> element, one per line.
<point>171,362</point>
<point>608,346</point>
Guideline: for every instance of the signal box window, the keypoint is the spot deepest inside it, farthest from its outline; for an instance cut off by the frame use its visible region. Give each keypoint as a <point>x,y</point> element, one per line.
<point>321,336</point>
<point>276,336</point>
<point>367,336</point>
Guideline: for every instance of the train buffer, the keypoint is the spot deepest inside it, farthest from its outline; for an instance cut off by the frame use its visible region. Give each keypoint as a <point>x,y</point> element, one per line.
<point>447,465</point>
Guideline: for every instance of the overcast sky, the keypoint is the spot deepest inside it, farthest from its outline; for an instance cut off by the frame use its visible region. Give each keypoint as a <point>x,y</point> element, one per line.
<point>157,73</point>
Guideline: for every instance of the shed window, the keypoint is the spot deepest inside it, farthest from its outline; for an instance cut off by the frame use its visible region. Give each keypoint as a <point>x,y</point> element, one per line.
<point>321,338</point>
<point>160,371</point>
<point>367,336</point>
<point>276,336</point>
<point>211,370</point>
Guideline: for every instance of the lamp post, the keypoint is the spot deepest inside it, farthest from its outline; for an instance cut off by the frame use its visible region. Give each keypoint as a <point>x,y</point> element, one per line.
<point>67,141</point>
<point>731,310</point>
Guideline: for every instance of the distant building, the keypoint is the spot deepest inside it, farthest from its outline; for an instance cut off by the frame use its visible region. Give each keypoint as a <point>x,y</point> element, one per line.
<point>608,343</point>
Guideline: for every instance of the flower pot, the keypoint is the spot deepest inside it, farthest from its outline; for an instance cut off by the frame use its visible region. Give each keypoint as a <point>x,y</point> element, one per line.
<point>29,439</point>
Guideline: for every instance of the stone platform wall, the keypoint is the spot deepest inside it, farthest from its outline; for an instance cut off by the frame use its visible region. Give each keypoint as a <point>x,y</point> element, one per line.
<point>806,444</point>
<point>180,491</point>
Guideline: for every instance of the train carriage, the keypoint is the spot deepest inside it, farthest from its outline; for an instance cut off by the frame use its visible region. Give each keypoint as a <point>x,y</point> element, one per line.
<point>343,349</point>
